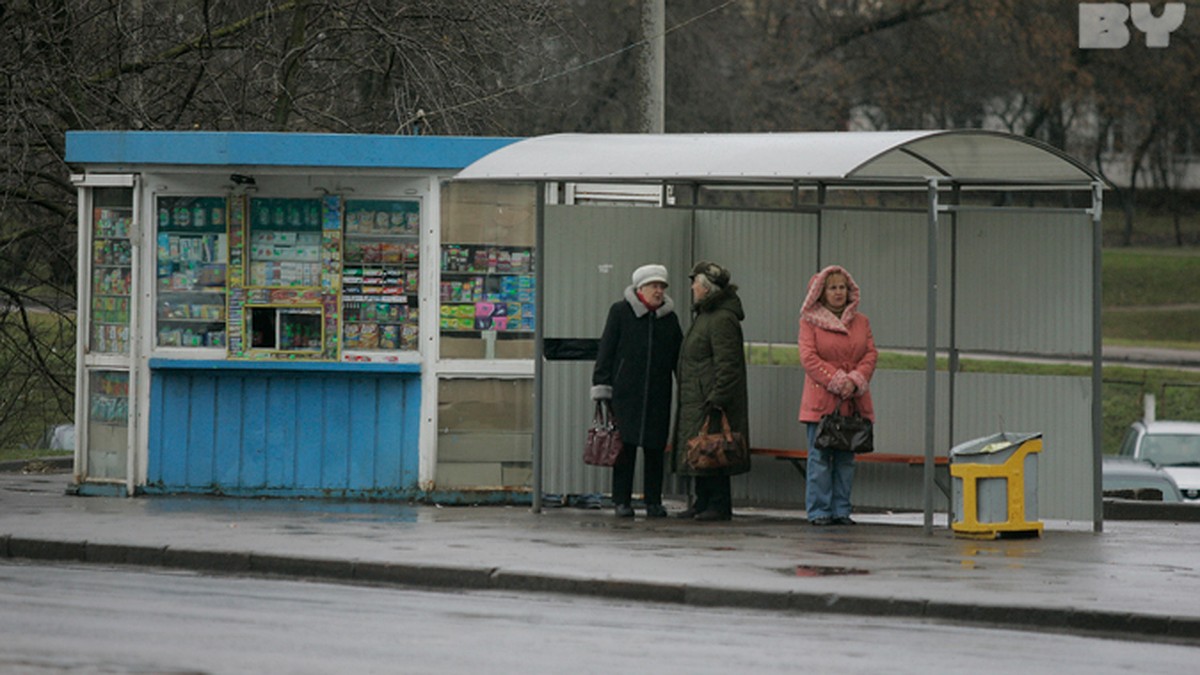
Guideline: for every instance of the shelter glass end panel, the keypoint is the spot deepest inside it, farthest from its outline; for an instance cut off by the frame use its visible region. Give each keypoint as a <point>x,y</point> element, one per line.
<point>487,278</point>
<point>485,433</point>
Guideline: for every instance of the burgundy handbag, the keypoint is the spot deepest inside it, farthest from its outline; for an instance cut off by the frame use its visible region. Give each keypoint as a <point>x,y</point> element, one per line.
<point>716,450</point>
<point>603,438</point>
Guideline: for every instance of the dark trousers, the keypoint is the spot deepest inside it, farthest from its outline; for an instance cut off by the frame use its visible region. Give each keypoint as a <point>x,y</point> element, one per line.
<point>713,493</point>
<point>652,475</point>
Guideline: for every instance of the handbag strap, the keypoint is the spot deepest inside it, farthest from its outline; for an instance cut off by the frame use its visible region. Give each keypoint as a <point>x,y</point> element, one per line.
<point>837,407</point>
<point>602,413</point>
<point>726,430</point>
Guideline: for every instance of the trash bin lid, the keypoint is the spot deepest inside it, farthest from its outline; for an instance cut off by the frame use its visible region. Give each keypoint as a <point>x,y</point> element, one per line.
<point>992,444</point>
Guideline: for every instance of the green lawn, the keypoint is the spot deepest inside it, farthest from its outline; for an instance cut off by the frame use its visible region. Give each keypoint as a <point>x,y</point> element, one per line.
<point>1152,297</point>
<point>1140,278</point>
<point>11,454</point>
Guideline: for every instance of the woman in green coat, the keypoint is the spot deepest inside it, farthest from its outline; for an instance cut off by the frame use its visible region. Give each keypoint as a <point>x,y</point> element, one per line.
<point>712,378</point>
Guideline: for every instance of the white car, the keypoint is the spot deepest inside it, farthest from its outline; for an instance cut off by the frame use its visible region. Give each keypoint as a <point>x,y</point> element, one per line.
<point>1174,446</point>
<point>1127,478</point>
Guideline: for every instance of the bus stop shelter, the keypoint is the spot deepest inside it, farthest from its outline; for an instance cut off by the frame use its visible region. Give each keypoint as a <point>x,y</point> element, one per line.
<point>966,243</point>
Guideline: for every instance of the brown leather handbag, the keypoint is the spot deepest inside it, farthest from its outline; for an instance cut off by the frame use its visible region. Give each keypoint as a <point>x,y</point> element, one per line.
<point>716,450</point>
<point>604,444</point>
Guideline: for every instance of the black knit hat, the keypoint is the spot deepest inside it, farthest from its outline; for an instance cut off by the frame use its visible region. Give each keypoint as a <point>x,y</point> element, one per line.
<point>718,275</point>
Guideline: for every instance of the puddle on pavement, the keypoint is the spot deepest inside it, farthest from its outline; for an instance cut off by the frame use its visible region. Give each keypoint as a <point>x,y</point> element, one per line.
<point>1010,551</point>
<point>826,571</point>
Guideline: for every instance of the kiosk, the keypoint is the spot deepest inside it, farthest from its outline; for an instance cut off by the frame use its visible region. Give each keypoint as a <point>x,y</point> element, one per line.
<point>300,315</point>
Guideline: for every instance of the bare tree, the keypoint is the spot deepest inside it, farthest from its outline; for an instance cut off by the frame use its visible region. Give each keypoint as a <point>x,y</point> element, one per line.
<point>523,67</point>
<point>366,66</point>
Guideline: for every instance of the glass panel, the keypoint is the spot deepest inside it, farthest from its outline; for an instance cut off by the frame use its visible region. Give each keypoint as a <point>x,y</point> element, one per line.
<point>487,288</point>
<point>112,270</point>
<point>485,432</point>
<point>380,273</point>
<point>192,244</point>
<point>285,242</point>
<point>108,424</point>
<point>286,329</point>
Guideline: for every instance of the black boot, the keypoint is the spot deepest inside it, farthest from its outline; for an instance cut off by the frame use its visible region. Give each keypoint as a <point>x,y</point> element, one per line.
<point>720,502</point>
<point>714,514</point>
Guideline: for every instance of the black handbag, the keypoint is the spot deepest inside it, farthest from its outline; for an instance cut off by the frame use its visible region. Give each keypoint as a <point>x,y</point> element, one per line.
<point>603,445</point>
<point>850,433</point>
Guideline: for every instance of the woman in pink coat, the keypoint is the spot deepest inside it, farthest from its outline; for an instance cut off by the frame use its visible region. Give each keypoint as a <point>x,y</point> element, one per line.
<point>838,354</point>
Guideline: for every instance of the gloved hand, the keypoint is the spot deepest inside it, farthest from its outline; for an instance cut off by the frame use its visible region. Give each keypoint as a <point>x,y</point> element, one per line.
<point>847,389</point>
<point>861,384</point>
<point>841,384</point>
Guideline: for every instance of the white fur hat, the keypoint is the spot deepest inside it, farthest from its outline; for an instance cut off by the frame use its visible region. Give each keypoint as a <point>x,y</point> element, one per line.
<point>647,273</point>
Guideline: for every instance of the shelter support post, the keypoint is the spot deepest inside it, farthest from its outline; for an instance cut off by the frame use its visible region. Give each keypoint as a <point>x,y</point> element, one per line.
<point>539,345</point>
<point>930,350</point>
<point>1097,212</point>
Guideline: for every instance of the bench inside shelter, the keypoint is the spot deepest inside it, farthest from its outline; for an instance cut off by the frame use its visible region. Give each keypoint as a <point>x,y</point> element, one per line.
<point>799,460</point>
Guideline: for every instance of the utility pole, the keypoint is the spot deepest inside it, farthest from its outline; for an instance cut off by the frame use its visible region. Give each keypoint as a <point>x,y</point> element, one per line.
<point>653,66</point>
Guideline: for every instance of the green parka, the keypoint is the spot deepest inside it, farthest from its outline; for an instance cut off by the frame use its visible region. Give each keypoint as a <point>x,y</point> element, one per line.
<point>712,373</point>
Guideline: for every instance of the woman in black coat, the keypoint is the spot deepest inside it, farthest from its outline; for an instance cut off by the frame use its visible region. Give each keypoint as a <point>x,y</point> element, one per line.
<point>634,368</point>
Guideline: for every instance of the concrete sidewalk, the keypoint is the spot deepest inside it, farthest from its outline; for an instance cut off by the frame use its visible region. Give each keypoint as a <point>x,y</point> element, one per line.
<point>1137,579</point>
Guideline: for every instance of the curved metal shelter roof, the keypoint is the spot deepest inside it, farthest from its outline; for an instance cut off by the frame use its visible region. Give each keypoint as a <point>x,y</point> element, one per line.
<point>965,156</point>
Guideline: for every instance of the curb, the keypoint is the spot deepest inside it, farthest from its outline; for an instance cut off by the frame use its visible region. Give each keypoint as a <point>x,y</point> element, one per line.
<point>1068,620</point>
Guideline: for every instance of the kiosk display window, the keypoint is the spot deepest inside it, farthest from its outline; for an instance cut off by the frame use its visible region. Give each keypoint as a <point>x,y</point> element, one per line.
<point>286,329</point>
<point>192,249</point>
<point>108,423</point>
<point>380,275</point>
<point>285,243</point>
<point>282,304</point>
<point>487,283</point>
<point>112,276</point>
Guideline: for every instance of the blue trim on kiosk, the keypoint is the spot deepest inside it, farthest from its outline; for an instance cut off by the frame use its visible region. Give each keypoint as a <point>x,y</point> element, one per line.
<point>238,148</point>
<point>285,366</point>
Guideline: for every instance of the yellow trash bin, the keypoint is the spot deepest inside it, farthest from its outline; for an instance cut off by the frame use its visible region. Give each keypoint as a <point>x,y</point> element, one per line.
<point>995,486</point>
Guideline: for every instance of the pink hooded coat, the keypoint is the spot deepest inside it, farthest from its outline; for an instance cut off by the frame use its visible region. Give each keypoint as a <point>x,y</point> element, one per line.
<point>836,353</point>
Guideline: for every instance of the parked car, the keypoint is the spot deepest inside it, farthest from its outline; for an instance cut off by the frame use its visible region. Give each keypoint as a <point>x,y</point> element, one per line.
<point>1127,478</point>
<point>1174,446</point>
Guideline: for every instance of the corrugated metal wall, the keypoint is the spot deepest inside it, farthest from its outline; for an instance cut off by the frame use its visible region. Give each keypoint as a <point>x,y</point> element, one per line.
<point>1024,282</point>
<point>885,252</point>
<point>1059,408</point>
<point>590,254</point>
<point>591,251</point>
<point>568,410</point>
<point>772,255</point>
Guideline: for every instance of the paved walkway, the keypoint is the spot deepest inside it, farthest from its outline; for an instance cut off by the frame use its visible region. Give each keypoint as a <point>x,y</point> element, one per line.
<point>1137,579</point>
<point>1185,359</point>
